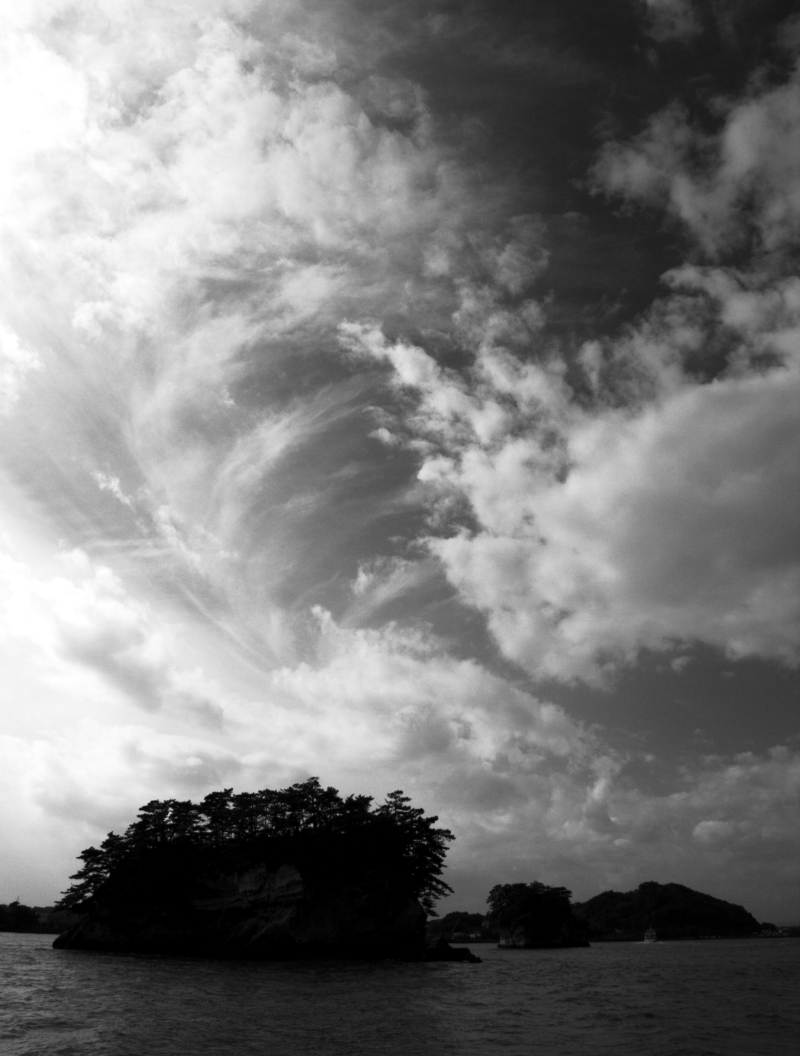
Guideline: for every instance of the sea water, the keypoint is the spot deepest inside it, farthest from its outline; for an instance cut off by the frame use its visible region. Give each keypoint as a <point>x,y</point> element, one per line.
<point>713,998</point>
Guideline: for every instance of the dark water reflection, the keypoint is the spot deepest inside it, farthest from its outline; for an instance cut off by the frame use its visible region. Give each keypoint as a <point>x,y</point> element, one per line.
<point>671,999</point>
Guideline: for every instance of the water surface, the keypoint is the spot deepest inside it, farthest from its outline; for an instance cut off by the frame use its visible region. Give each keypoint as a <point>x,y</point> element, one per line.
<point>725,998</point>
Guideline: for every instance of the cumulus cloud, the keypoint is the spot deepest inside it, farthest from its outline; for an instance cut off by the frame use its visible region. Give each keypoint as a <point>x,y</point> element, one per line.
<point>595,534</point>
<point>525,786</point>
<point>529,791</point>
<point>671,19</point>
<point>15,362</point>
<point>726,187</point>
<point>429,704</point>
<point>725,819</point>
<point>642,502</point>
<point>109,483</point>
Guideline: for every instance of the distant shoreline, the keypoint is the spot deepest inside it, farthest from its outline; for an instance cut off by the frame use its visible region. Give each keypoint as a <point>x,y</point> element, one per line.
<point>29,931</point>
<point>794,928</point>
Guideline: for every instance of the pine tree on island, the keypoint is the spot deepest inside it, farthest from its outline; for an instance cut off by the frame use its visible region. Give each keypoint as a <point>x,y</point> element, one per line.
<point>289,872</point>
<point>534,915</point>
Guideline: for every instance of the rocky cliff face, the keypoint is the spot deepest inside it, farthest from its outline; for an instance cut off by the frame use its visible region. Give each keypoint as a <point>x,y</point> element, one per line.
<point>257,912</point>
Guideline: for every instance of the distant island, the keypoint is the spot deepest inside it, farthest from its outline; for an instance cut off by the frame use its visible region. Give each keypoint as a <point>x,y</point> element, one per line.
<point>45,920</point>
<point>289,873</point>
<point>672,910</point>
<point>531,915</point>
<point>534,916</point>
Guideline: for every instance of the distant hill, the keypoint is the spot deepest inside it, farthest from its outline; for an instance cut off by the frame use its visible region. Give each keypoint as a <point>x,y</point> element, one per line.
<point>44,919</point>
<point>674,911</point>
<point>460,926</point>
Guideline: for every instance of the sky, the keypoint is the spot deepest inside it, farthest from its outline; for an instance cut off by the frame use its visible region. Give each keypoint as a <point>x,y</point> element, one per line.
<point>406,392</point>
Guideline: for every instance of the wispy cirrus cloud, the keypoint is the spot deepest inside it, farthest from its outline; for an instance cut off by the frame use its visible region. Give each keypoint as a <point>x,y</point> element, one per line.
<point>84,617</point>
<point>205,214</point>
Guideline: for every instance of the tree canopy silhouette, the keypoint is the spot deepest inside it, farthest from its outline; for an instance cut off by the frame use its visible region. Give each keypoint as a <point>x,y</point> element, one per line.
<point>17,917</point>
<point>538,914</point>
<point>305,824</point>
<point>674,911</point>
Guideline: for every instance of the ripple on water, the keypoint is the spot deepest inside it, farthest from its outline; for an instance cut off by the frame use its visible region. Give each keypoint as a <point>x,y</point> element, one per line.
<point>734,998</point>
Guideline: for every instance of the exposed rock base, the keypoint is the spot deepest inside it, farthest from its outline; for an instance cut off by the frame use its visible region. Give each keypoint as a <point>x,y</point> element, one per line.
<point>259,914</point>
<point>442,951</point>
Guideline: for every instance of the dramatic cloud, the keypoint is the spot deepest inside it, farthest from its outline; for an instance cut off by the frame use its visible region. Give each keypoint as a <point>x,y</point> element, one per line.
<point>15,362</point>
<point>670,19</point>
<point>304,472</point>
<point>645,504</point>
<point>739,183</point>
<point>597,533</point>
<point>84,618</point>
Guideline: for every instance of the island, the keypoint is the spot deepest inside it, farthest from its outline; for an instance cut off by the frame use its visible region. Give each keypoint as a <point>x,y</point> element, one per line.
<point>534,916</point>
<point>671,910</point>
<point>22,919</point>
<point>276,874</point>
<point>462,926</point>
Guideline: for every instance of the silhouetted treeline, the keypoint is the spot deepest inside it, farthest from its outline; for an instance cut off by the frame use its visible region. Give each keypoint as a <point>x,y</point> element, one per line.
<point>460,926</point>
<point>534,915</point>
<point>674,911</point>
<point>16,917</point>
<point>45,919</point>
<point>315,828</point>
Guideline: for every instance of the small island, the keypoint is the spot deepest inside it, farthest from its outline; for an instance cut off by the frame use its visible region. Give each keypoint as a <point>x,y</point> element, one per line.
<point>672,911</point>
<point>529,916</point>
<point>275,874</point>
<point>534,916</point>
<point>22,919</point>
